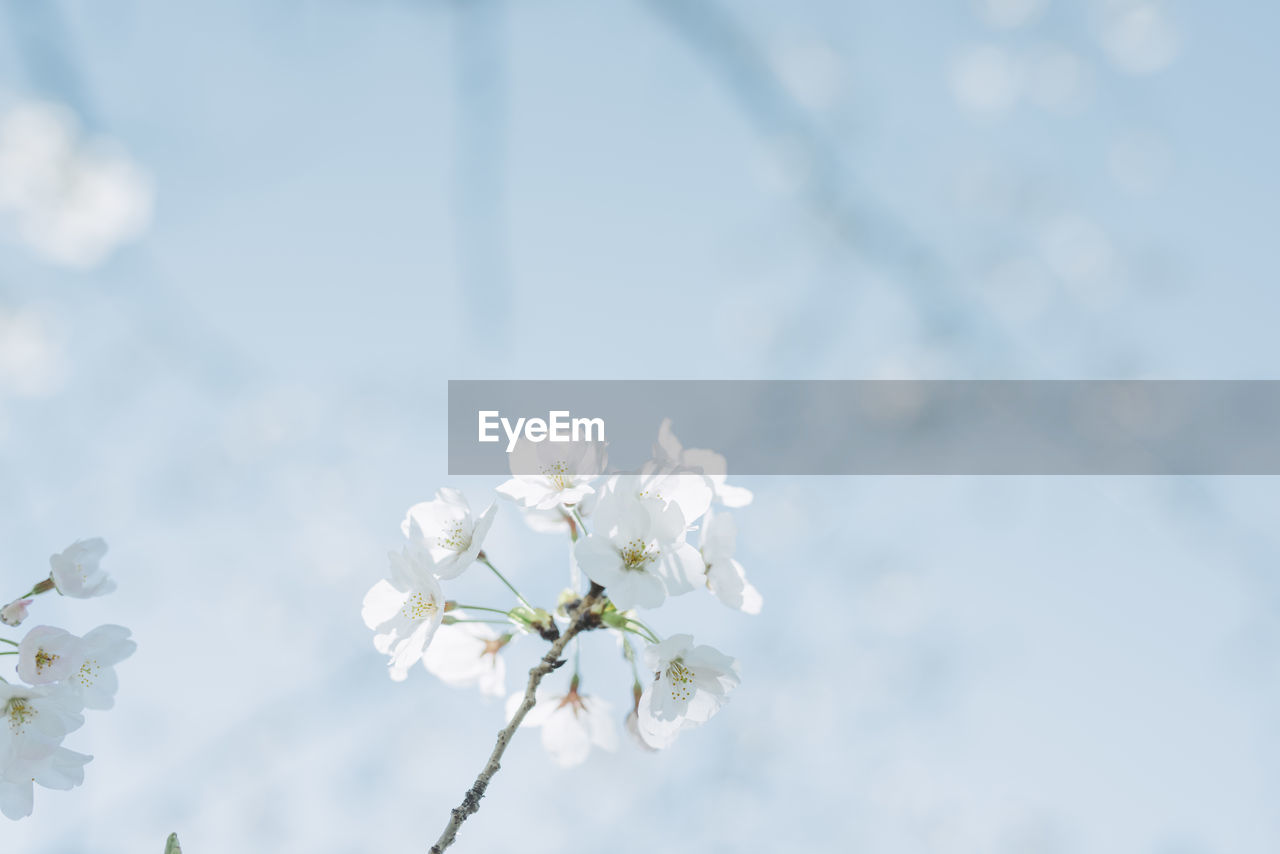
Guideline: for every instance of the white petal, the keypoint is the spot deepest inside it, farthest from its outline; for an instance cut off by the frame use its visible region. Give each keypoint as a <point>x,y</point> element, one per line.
<point>381,604</point>
<point>681,568</point>
<point>566,737</point>
<point>16,799</point>
<point>601,723</point>
<point>599,559</point>
<point>635,589</point>
<point>719,537</point>
<point>727,580</point>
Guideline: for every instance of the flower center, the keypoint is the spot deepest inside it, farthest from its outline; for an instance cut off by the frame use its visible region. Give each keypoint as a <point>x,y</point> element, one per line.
<point>19,713</point>
<point>418,607</point>
<point>681,679</point>
<point>455,537</point>
<point>88,672</point>
<point>574,701</point>
<point>44,659</point>
<point>558,474</point>
<point>636,554</point>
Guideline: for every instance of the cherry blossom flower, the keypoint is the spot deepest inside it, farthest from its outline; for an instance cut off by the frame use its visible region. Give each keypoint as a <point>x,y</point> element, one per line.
<point>405,610</point>
<point>725,576</point>
<point>86,665</point>
<point>47,654</point>
<point>549,475</point>
<point>62,769</point>
<point>571,723</point>
<point>668,451</point>
<point>444,528</point>
<point>658,487</point>
<point>15,612</point>
<point>465,654</point>
<point>690,684</point>
<point>638,553</point>
<point>76,572</point>
<point>34,719</point>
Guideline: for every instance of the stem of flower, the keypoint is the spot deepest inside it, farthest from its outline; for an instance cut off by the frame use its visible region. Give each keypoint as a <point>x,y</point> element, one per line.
<point>15,652</point>
<point>6,640</point>
<point>578,516</point>
<point>641,629</point>
<point>481,608</point>
<point>550,661</point>
<point>483,558</point>
<point>453,620</point>
<point>42,586</point>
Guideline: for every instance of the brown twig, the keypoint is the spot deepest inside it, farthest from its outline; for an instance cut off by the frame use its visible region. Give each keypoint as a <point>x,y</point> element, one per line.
<point>580,620</point>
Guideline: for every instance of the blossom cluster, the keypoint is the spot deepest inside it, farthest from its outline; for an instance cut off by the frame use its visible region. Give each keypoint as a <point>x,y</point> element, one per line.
<point>636,538</point>
<point>61,676</point>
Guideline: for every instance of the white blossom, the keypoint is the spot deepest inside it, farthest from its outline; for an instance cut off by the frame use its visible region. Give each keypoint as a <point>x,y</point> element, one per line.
<point>445,528</point>
<point>34,719</point>
<point>62,769</point>
<point>639,553</point>
<point>571,723</point>
<point>690,684</point>
<point>549,475</point>
<point>668,451</point>
<point>76,573</point>
<point>658,487</point>
<point>85,665</point>
<point>405,610</point>
<point>725,576</point>
<point>47,654</point>
<point>465,654</point>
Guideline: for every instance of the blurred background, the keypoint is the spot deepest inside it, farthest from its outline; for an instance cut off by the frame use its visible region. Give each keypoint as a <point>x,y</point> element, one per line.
<point>243,245</point>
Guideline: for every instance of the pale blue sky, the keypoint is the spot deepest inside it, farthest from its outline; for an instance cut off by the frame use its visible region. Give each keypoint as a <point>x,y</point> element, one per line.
<point>252,395</point>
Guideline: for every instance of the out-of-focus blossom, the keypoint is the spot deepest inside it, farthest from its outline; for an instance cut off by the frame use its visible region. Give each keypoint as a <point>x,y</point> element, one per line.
<point>571,723</point>
<point>985,79</point>
<point>32,357</point>
<point>70,199</point>
<point>1139,35</point>
<point>1009,14</point>
<point>670,452</point>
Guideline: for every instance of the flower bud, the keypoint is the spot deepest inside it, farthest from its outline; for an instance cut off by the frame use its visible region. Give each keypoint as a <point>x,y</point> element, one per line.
<point>15,612</point>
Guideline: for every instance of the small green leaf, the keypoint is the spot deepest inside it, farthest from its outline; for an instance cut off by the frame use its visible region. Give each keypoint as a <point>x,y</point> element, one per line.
<point>172,846</point>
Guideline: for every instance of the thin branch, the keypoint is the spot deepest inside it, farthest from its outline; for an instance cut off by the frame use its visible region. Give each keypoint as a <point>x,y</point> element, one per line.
<point>550,661</point>
<point>872,231</point>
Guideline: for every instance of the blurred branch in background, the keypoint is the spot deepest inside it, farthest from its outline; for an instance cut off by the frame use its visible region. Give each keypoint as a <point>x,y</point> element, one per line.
<point>40,36</point>
<point>480,160</point>
<point>824,183</point>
